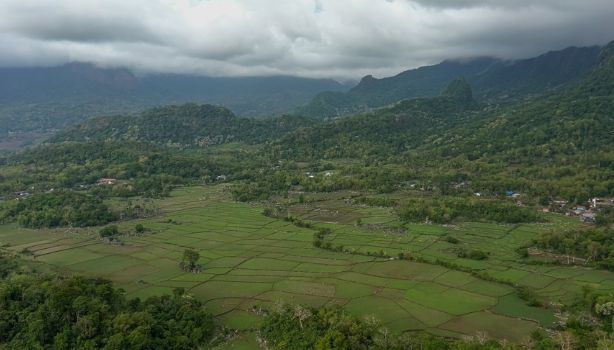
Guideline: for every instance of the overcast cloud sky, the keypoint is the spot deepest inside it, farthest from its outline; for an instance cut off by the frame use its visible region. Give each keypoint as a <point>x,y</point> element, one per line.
<point>341,39</point>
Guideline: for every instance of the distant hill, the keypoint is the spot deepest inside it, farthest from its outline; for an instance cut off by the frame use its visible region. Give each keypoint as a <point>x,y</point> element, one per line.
<point>55,97</point>
<point>489,77</point>
<point>183,126</point>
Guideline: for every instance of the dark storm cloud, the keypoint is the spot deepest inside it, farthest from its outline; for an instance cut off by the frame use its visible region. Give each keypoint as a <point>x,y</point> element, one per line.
<point>315,38</point>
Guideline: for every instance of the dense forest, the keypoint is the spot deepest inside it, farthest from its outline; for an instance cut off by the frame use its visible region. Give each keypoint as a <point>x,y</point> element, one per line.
<point>444,211</point>
<point>49,311</point>
<point>595,246</point>
<point>183,126</point>
<point>56,209</point>
<point>70,164</point>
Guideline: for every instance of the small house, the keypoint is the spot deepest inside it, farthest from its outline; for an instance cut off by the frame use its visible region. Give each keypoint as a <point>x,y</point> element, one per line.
<point>580,207</point>
<point>461,185</point>
<point>600,202</point>
<point>560,202</point>
<point>588,217</point>
<point>21,194</point>
<point>516,195</point>
<point>545,210</point>
<point>478,194</point>
<point>521,204</point>
<point>221,177</point>
<point>509,193</point>
<point>327,175</point>
<point>105,181</point>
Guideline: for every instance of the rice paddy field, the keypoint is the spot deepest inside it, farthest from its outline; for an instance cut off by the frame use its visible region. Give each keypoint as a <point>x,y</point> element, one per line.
<point>250,261</point>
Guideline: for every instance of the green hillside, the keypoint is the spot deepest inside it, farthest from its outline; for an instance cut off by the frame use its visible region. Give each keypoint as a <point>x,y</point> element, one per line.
<point>387,131</point>
<point>183,126</point>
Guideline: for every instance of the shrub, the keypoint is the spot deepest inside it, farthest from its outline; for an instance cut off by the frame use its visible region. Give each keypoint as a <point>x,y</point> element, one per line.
<point>108,231</point>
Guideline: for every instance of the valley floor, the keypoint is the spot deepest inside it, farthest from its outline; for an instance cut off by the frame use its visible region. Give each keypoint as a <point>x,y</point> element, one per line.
<point>250,261</point>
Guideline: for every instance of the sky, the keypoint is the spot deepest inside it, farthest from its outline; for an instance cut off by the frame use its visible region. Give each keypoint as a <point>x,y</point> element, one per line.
<point>339,39</point>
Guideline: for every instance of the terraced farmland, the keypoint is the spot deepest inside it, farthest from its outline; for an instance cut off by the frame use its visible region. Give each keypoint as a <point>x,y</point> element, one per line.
<point>250,260</point>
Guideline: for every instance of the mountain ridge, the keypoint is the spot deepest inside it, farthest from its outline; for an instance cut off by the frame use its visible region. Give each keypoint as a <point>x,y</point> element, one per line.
<point>490,78</point>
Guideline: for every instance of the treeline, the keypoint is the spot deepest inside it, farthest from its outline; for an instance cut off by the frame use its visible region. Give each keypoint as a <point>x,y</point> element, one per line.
<point>596,246</point>
<point>329,328</point>
<point>153,187</point>
<point>57,209</point>
<point>70,164</point>
<point>259,185</point>
<point>47,311</point>
<point>441,211</point>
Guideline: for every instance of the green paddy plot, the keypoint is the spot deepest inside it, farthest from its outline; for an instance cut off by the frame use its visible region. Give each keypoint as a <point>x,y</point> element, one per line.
<point>454,301</point>
<point>351,290</point>
<point>510,306</point>
<point>385,309</point>
<point>69,257</point>
<point>252,260</point>
<point>106,265</point>
<point>497,326</point>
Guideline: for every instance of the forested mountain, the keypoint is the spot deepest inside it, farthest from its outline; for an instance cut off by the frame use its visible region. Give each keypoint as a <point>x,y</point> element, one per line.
<point>536,75</point>
<point>392,129</point>
<point>455,124</point>
<point>183,126</point>
<point>55,97</point>
<point>489,77</point>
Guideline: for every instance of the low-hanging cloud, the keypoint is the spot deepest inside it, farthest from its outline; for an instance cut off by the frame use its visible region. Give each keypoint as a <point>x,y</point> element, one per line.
<point>342,39</point>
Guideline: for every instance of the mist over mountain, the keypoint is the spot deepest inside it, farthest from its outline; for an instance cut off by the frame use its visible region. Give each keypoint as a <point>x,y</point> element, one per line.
<point>55,97</point>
